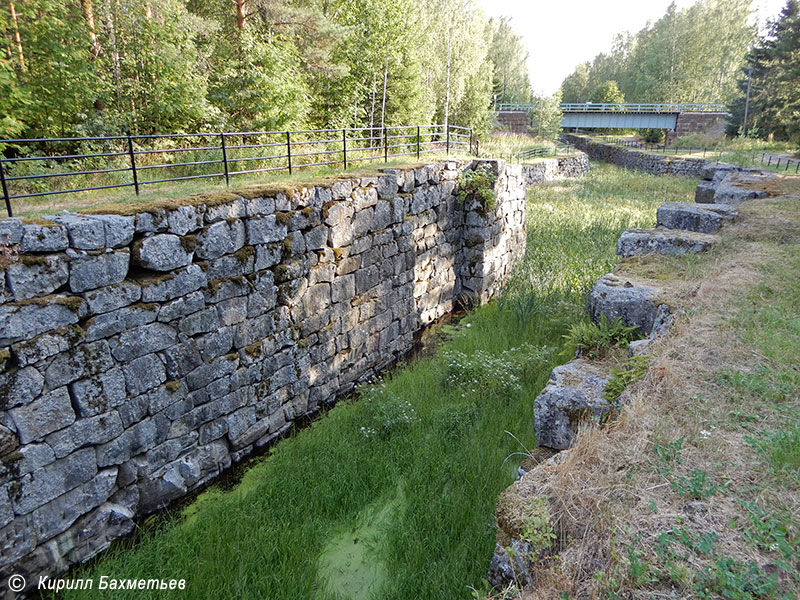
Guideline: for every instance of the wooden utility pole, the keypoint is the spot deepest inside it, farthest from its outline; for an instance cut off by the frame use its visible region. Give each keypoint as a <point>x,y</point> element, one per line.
<point>747,102</point>
<point>16,37</point>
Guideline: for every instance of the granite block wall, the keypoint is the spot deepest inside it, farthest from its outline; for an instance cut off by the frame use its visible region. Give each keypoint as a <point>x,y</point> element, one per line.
<point>144,352</point>
<point>631,158</point>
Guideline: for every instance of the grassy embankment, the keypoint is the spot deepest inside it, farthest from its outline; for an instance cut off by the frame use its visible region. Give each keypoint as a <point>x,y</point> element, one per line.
<point>695,492</point>
<point>393,493</point>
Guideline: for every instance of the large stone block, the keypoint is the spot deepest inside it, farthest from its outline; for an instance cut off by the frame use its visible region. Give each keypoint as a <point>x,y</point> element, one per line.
<point>19,386</point>
<point>143,374</point>
<point>25,321</point>
<point>57,515</point>
<point>10,232</point>
<point>701,218</point>
<point>223,237</point>
<point>38,488</point>
<point>85,432</point>
<point>137,439</point>
<point>263,230</point>
<point>573,395</point>
<point>80,361</point>
<point>43,238</point>
<point>98,394</point>
<point>174,285</point>
<point>37,276</point>
<point>92,271</point>
<point>163,252</point>
<point>114,322</point>
<point>48,413</point>
<point>663,241</point>
<point>614,297</point>
<point>112,297</point>
<point>137,342</point>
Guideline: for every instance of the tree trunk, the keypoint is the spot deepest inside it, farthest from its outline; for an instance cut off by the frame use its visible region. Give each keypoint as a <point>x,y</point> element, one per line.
<point>372,112</point>
<point>15,35</point>
<point>241,13</point>
<point>112,38</point>
<point>88,13</point>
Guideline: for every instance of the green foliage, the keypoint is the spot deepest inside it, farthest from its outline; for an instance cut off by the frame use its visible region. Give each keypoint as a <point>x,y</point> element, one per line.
<point>781,450</point>
<point>688,55</point>
<point>390,414</point>
<point>654,136</point>
<point>537,529</point>
<point>632,371</point>
<point>487,375</point>
<point>510,81</point>
<point>178,66</point>
<point>594,340</point>
<point>478,184</point>
<point>607,93</point>
<point>775,82</point>
<point>546,116</point>
<point>697,485</point>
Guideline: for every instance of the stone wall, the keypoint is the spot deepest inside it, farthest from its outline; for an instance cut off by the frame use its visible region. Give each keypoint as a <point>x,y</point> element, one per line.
<point>711,124</point>
<point>550,169</point>
<point>516,121</point>
<point>655,164</point>
<point>142,353</point>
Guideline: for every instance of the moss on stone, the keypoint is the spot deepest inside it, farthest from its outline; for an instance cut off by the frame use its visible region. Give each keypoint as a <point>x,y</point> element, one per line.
<point>39,221</point>
<point>189,243</point>
<point>284,218</point>
<point>287,244</point>
<point>281,273</point>
<point>172,386</point>
<point>253,350</point>
<point>337,253</point>
<point>244,254</point>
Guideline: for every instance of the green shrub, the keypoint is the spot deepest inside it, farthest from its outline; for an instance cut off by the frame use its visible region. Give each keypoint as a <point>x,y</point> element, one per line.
<point>478,184</point>
<point>632,371</point>
<point>653,136</point>
<point>594,340</point>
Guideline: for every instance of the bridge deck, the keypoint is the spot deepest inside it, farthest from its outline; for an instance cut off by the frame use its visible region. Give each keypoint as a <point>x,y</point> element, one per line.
<point>638,107</point>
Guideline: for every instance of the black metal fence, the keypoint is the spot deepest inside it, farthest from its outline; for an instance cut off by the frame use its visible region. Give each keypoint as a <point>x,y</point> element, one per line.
<point>45,167</point>
<point>538,152</point>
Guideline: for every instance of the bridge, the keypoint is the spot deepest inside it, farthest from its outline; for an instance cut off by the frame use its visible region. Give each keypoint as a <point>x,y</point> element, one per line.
<point>679,118</point>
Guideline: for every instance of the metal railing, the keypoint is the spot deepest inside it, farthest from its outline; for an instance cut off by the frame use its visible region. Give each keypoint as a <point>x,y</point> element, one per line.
<point>596,107</point>
<point>538,152</point>
<point>127,160</point>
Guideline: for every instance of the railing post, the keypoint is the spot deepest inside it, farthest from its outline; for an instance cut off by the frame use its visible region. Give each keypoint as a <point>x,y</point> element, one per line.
<point>470,141</point>
<point>344,148</point>
<point>225,159</point>
<point>385,145</point>
<point>448,139</point>
<point>418,140</point>
<point>133,164</point>
<point>5,189</point>
<point>289,151</point>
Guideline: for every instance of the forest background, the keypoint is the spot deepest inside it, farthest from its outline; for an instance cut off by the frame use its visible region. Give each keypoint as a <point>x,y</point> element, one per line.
<point>105,67</point>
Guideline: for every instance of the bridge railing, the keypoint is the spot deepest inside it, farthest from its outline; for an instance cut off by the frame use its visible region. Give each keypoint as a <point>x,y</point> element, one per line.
<point>597,107</point>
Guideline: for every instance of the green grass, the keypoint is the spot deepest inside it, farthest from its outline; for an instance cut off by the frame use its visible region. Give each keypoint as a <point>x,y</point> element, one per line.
<point>414,465</point>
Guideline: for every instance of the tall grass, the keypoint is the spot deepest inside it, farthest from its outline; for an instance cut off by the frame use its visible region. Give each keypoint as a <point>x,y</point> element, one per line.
<point>425,450</point>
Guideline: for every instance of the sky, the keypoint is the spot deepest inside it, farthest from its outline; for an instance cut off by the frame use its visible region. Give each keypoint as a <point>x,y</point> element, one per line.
<point>561,34</point>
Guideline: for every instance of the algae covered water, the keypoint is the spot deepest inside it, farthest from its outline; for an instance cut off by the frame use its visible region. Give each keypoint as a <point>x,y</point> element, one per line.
<point>391,494</point>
